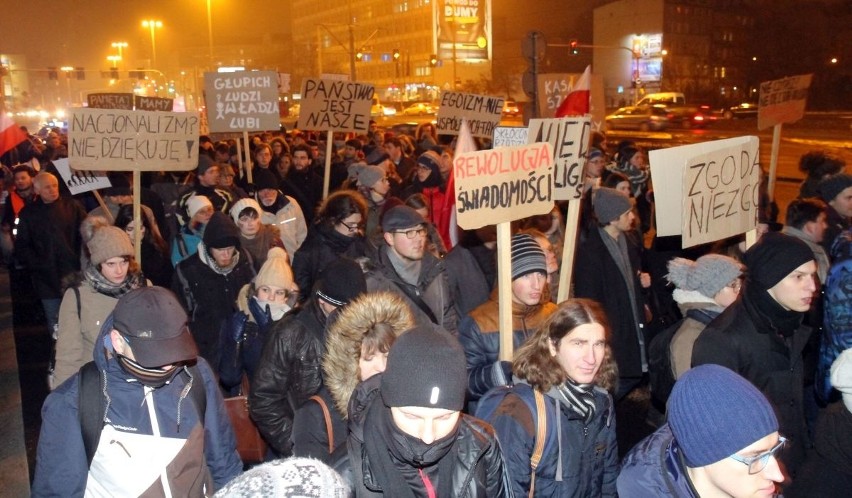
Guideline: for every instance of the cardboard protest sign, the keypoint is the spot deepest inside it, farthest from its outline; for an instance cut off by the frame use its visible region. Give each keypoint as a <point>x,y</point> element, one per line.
<point>552,88</point>
<point>80,181</point>
<point>482,113</point>
<point>507,136</point>
<point>110,101</point>
<point>120,140</point>
<point>782,101</point>
<point>335,105</point>
<point>707,191</point>
<point>154,103</point>
<point>569,138</point>
<point>242,101</point>
<point>500,185</point>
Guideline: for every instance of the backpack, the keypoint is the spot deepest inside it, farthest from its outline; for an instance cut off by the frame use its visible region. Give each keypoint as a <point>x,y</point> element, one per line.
<point>91,406</point>
<point>488,404</point>
<point>660,370</point>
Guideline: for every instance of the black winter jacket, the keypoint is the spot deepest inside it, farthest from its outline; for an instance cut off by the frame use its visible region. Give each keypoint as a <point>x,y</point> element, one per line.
<point>322,247</point>
<point>289,372</point>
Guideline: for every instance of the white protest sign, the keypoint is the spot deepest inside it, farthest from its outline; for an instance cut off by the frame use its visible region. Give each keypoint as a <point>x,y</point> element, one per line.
<point>242,101</point>
<point>335,105</point>
<point>120,140</point>
<point>569,138</point>
<point>782,101</point>
<point>707,191</point>
<point>482,113</point>
<point>505,184</point>
<point>80,181</point>
<point>508,136</point>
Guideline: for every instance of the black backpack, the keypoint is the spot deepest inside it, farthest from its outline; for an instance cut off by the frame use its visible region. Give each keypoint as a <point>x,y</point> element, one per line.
<point>91,406</point>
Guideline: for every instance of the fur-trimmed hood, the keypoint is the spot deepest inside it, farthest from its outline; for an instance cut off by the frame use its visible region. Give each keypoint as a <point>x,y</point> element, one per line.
<point>343,344</point>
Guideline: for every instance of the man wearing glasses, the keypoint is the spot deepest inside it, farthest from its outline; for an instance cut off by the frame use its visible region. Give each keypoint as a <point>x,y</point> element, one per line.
<point>405,267</point>
<point>721,439</point>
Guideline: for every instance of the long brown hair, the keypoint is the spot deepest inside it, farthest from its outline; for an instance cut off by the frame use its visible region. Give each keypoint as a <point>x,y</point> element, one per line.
<point>534,362</point>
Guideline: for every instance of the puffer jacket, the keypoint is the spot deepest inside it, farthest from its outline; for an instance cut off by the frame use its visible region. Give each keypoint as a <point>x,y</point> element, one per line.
<point>137,455</point>
<point>479,334</point>
<point>653,468</point>
<point>479,471</point>
<point>578,459</point>
<point>289,221</point>
<point>288,374</point>
<point>432,288</point>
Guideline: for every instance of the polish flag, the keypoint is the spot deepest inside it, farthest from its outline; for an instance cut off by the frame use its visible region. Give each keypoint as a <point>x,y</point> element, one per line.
<point>464,143</point>
<point>576,103</point>
<point>10,134</point>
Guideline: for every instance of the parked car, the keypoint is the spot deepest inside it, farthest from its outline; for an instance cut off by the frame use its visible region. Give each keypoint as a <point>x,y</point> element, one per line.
<point>744,110</point>
<point>687,116</point>
<point>511,109</point>
<point>642,118</point>
<point>418,109</point>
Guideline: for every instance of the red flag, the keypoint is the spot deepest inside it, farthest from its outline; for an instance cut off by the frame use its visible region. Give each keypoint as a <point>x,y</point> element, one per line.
<point>576,103</point>
<point>10,134</point>
<point>447,226</point>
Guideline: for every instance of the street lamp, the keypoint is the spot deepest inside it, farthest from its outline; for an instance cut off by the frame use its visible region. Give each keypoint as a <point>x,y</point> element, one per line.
<point>120,46</point>
<point>152,24</point>
<point>210,33</point>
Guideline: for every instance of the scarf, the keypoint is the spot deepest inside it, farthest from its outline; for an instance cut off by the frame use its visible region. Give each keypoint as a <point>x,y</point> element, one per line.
<point>151,377</point>
<point>275,310</point>
<point>579,398</point>
<point>769,315</point>
<point>409,271</point>
<point>133,280</point>
<point>211,263</point>
<point>396,458</point>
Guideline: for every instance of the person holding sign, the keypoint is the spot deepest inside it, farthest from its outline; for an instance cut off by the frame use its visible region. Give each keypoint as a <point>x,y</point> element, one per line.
<point>608,270</point>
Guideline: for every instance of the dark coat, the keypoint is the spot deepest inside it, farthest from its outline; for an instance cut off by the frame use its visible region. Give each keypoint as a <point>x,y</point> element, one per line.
<point>49,243</point>
<point>827,472</point>
<point>654,468</point>
<point>321,247</point>
<point>310,432</point>
<point>306,187</point>
<point>289,372</point>
<point>596,276</point>
<point>742,338</point>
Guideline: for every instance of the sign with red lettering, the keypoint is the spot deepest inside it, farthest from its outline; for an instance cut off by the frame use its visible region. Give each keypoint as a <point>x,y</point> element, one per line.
<point>505,184</point>
<point>782,101</point>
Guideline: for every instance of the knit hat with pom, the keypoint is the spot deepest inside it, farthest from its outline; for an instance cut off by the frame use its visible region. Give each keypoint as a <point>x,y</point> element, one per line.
<point>708,275</point>
<point>275,271</point>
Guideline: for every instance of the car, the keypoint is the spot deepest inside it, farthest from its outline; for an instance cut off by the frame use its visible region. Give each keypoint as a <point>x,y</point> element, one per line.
<point>686,116</point>
<point>743,110</point>
<point>418,109</point>
<point>643,118</point>
<point>511,109</point>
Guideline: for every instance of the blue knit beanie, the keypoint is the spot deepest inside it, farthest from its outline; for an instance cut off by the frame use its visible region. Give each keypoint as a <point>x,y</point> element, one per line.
<point>714,413</point>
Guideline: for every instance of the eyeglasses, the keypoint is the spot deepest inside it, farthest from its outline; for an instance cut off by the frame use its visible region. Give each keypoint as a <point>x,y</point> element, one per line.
<point>353,227</point>
<point>414,232</point>
<point>757,463</point>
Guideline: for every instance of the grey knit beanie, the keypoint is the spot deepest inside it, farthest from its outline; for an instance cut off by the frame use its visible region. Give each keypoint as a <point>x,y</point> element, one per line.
<point>109,242</point>
<point>708,275</point>
<point>609,204</point>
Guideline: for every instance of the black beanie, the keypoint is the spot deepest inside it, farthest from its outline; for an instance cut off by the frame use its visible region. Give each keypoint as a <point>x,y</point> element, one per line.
<point>221,232</point>
<point>341,282</point>
<point>774,257</point>
<point>426,368</point>
<point>264,179</point>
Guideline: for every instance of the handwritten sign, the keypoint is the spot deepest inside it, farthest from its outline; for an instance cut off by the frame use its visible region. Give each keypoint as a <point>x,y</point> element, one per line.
<point>80,181</point>
<point>335,105</point>
<point>507,136</point>
<point>569,138</point>
<point>482,112</point>
<point>120,140</point>
<point>154,103</point>
<point>499,185</point>
<point>707,191</point>
<point>782,101</point>
<point>554,87</point>
<point>110,101</point>
<point>242,101</point>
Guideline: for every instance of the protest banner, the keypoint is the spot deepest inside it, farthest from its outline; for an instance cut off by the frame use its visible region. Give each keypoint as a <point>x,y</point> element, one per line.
<point>110,101</point>
<point>500,185</point>
<point>80,181</point>
<point>122,140</point>
<point>569,138</point>
<point>782,101</point>
<point>242,101</point>
<point>143,103</point>
<point>335,105</point>
<point>482,113</point>
<point>552,88</point>
<point>508,136</point>
<point>707,191</point>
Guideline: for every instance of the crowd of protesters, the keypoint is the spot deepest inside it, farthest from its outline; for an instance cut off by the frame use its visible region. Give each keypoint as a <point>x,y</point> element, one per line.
<point>367,330</point>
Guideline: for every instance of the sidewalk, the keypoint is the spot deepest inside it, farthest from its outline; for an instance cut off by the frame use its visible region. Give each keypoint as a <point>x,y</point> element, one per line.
<point>14,472</point>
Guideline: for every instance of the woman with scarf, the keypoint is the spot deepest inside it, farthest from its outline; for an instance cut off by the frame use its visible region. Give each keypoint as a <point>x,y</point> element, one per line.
<point>567,368</point>
<point>111,273</point>
<point>337,231</point>
<point>261,303</point>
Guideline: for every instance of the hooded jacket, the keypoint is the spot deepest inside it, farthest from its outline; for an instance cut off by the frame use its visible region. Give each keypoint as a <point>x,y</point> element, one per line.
<point>286,215</point>
<point>479,334</point>
<point>151,437</point>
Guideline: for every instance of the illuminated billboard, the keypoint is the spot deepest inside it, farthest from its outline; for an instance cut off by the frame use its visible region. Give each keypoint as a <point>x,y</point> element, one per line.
<point>464,24</point>
<point>648,54</point>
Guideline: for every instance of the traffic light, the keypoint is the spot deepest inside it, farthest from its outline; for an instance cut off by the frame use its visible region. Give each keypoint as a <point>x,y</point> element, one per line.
<point>395,54</point>
<point>81,73</point>
<point>113,73</point>
<point>433,60</point>
<point>575,46</point>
